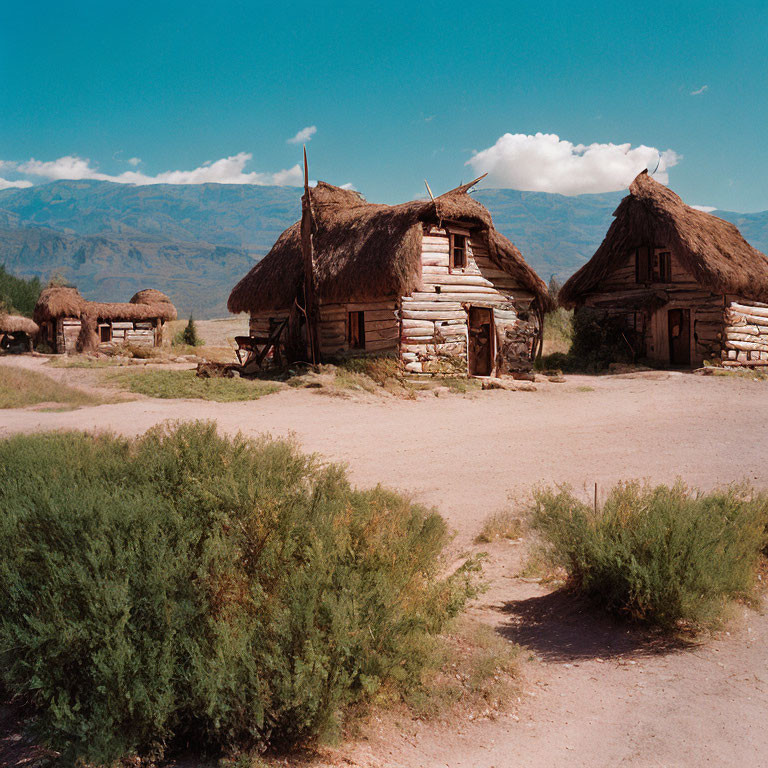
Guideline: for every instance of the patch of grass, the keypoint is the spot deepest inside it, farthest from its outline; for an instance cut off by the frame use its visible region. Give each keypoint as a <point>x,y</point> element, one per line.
<point>221,593</point>
<point>753,374</point>
<point>187,385</point>
<point>461,386</point>
<point>20,388</point>
<point>501,525</point>
<point>584,388</point>
<point>666,556</point>
<point>66,361</point>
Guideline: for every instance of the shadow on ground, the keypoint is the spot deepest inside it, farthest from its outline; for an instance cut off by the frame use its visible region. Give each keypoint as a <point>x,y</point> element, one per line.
<point>562,627</point>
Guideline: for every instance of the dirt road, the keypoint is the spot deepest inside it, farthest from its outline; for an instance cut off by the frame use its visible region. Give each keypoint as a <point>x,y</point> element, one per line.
<point>596,695</point>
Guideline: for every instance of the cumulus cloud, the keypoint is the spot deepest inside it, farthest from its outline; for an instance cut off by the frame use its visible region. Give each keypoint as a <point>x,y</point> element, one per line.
<point>305,134</point>
<point>227,170</point>
<point>700,91</point>
<point>547,163</point>
<point>134,161</point>
<point>20,184</point>
<point>705,208</point>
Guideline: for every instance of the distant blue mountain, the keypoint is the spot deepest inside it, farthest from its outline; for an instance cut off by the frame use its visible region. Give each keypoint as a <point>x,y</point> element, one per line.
<point>196,242</point>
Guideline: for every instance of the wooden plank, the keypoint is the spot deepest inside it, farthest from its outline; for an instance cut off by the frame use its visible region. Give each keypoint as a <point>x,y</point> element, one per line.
<point>379,346</point>
<point>433,314</point>
<point>412,304</point>
<point>489,297</point>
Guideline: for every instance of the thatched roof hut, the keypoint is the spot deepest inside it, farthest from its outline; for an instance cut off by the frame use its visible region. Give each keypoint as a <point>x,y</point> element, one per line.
<point>711,249</point>
<point>18,324</point>
<point>364,250</point>
<point>60,301</point>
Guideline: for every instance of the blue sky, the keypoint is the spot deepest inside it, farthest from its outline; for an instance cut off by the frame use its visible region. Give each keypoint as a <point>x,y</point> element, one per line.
<point>396,92</point>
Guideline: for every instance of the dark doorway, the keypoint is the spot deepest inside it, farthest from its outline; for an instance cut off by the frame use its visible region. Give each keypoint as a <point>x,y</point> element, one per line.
<point>679,327</point>
<point>480,351</point>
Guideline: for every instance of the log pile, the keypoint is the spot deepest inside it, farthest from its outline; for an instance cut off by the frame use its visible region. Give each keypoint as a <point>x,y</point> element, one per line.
<point>745,337</point>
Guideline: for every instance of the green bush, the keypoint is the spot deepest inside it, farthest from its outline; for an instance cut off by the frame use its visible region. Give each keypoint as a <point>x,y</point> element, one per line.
<point>187,588</point>
<point>661,555</point>
<point>188,335</point>
<point>593,340</point>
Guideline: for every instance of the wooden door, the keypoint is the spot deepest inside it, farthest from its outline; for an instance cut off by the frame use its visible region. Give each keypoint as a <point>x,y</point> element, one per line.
<point>480,352</point>
<point>679,328</point>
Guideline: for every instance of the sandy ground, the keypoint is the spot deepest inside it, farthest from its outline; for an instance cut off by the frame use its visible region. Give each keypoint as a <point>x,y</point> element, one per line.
<point>595,694</point>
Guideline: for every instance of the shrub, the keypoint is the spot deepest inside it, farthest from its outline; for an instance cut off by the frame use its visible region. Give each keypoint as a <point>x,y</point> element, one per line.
<point>587,340</point>
<point>220,592</point>
<point>188,335</point>
<point>661,555</point>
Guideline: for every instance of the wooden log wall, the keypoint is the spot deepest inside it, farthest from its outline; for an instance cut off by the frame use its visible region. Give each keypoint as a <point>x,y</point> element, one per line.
<point>683,291</point>
<point>745,333</point>
<point>382,327</point>
<point>434,317</point>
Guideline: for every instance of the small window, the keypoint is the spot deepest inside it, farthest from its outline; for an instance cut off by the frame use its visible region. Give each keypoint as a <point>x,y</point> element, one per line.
<point>458,253</point>
<point>105,333</point>
<point>643,264</point>
<point>653,265</point>
<point>663,268</point>
<point>356,330</point>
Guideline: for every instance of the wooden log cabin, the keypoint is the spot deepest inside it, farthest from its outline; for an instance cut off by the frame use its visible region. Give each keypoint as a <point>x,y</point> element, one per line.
<point>686,285</point>
<point>431,281</point>
<point>62,313</point>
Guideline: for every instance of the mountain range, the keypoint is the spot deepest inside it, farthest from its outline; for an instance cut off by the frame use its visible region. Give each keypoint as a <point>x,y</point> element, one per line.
<point>194,242</point>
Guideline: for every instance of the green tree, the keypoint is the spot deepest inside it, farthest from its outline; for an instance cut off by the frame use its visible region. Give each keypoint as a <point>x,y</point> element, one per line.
<point>189,335</point>
<point>18,295</point>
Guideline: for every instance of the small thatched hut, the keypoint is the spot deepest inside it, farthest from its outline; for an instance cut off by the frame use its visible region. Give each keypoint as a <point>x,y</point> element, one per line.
<point>687,284</point>
<point>432,281</point>
<point>17,333</point>
<point>62,311</point>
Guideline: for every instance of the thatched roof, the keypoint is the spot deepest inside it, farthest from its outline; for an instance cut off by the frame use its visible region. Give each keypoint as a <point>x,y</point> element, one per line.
<point>18,324</point>
<point>67,302</point>
<point>711,249</point>
<point>365,251</point>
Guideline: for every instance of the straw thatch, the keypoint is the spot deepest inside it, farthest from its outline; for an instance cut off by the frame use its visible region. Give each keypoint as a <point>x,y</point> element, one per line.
<point>365,251</point>
<point>88,339</point>
<point>67,302</point>
<point>18,324</point>
<point>711,249</point>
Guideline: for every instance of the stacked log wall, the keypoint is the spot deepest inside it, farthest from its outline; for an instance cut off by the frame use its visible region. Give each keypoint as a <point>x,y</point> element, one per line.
<point>434,333</point>
<point>745,333</point>
<point>382,327</point>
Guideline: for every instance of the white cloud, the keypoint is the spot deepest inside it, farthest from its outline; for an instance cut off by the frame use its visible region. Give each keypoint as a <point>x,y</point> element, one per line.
<point>547,163</point>
<point>700,91</point>
<point>227,170</point>
<point>705,208</point>
<point>350,186</point>
<point>305,134</point>
<point>20,184</point>
<point>134,161</point>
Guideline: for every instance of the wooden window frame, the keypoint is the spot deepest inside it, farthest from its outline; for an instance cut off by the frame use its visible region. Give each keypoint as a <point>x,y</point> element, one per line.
<point>663,267</point>
<point>356,329</point>
<point>102,328</point>
<point>452,235</point>
<point>644,267</point>
<point>657,266</point>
